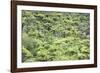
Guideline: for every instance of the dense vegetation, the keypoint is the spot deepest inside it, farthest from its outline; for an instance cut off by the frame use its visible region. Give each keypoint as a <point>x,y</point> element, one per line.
<point>54,36</point>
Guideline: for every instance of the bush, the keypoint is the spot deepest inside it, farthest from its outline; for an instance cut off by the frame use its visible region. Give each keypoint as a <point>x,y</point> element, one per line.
<point>55,36</point>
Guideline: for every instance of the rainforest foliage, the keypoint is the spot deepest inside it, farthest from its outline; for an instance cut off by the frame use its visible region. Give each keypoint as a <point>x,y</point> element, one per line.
<point>55,36</point>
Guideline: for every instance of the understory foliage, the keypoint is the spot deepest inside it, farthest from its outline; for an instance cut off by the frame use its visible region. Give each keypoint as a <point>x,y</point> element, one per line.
<point>55,36</point>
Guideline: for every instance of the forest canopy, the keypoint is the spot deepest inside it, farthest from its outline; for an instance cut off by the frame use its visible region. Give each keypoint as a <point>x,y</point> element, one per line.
<point>55,36</point>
